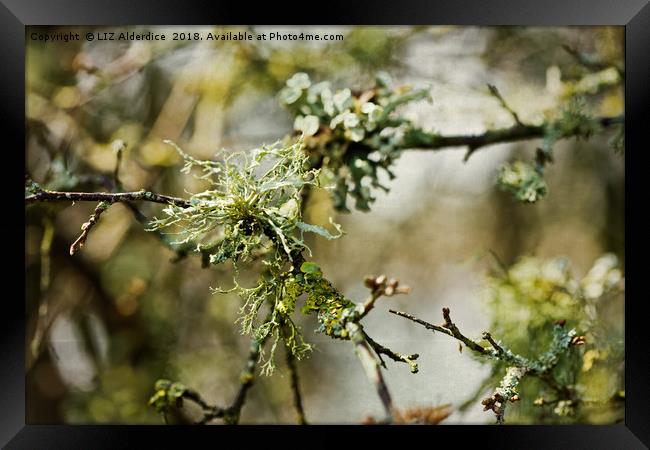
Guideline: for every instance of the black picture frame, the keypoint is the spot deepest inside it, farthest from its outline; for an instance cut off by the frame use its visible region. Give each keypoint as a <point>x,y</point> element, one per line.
<point>15,15</point>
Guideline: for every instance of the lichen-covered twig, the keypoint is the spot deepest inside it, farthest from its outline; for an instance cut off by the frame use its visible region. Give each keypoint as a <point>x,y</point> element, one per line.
<point>431,141</point>
<point>168,394</point>
<point>357,135</point>
<point>504,393</point>
<point>248,206</point>
<point>520,366</point>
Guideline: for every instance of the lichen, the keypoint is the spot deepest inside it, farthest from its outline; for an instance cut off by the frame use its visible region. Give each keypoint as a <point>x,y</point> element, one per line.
<point>353,136</point>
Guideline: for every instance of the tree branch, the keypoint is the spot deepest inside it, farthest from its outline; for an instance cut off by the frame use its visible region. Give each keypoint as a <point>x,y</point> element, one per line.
<point>246,379</point>
<point>230,414</point>
<point>371,367</point>
<point>421,140</point>
<point>397,357</point>
<point>43,307</point>
<point>295,387</point>
<point>87,226</point>
<point>592,61</point>
<point>110,197</point>
<point>449,328</point>
<point>519,366</point>
<point>380,286</point>
<point>496,94</point>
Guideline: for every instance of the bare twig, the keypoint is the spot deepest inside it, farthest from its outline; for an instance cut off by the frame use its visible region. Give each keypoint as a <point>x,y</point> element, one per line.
<point>209,412</point>
<point>232,413</point>
<point>118,147</point>
<point>127,198</point>
<point>368,350</point>
<point>105,200</point>
<point>458,335</point>
<point>397,357</point>
<point>495,92</point>
<point>295,387</point>
<point>110,197</point>
<point>449,328</point>
<point>43,307</point>
<point>380,286</point>
<point>371,367</point>
<point>87,226</point>
<point>247,377</point>
<point>592,61</point>
<point>488,337</point>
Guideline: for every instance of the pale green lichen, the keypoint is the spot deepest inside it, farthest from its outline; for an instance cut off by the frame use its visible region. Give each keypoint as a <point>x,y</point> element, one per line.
<point>523,180</point>
<point>544,296</point>
<point>167,394</point>
<point>356,136</point>
<point>252,210</point>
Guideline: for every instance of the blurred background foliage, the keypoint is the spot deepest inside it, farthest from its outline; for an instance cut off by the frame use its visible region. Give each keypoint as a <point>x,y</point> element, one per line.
<point>104,324</point>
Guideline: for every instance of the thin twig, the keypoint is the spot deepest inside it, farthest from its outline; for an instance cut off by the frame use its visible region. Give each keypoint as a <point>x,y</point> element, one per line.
<point>591,61</point>
<point>397,357</point>
<point>380,286</point>
<point>232,413</point>
<point>246,378</point>
<point>87,226</point>
<point>449,328</point>
<point>495,93</point>
<point>209,412</point>
<point>295,387</point>
<point>110,197</point>
<point>519,365</point>
<point>127,198</point>
<point>488,337</point>
<point>43,307</point>
<point>367,306</point>
<point>118,147</point>
<point>371,367</point>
